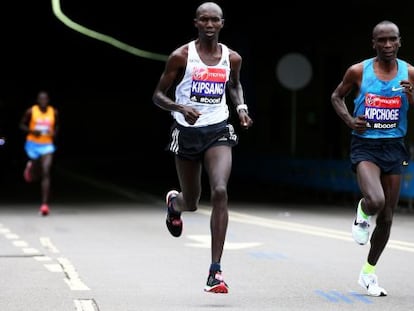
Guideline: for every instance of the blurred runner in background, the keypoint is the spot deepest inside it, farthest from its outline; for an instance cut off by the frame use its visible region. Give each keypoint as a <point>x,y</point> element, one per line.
<point>40,123</point>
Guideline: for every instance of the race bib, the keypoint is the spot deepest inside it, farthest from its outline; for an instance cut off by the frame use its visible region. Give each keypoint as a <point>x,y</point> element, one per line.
<point>208,85</point>
<point>382,112</point>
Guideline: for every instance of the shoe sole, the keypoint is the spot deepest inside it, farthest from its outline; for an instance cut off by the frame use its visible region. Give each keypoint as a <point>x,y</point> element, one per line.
<point>218,289</point>
<point>44,213</point>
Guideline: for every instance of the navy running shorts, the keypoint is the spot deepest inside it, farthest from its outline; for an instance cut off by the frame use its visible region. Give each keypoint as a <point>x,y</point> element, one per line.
<point>190,143</point>
<point>390,155</point>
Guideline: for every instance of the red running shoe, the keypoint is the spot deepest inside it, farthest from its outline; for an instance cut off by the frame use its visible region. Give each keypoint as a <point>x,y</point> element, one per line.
<point>44,210</point>
<point>215,284</point>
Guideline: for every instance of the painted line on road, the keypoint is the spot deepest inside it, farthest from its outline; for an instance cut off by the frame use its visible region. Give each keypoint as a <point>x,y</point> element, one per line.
<point>47,243</point>
<point>72,277</point>
<point>4,230</point>
<point>11,236</point>
<point>53,267</point>
<point>204,241</point>
<point>30,250</point>
<point>249,219</point>
<point>361,297</point>
<point>283,225</point>
<point>20,243</point>
<point>341,296</point>
<point>86,305</point>
<point>336,297</point>
<point>42,258</point>
<point>64,266</point>
<point>23,245</point>
<point>302,228</point>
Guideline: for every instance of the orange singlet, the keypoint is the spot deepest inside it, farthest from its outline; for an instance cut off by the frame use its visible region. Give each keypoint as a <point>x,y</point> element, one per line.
<point>43,122</point>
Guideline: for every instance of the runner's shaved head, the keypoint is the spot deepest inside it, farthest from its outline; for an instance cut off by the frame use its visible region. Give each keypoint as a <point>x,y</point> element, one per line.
<point>382,24</point>
<point>209,6</point>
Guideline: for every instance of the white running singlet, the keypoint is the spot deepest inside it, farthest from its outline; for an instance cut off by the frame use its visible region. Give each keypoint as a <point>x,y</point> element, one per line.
<point>204,88</point>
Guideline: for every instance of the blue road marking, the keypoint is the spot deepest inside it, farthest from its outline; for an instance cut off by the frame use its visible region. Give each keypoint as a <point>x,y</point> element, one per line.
<point>361,298</point>
<point>337,297</point>
<point>327,296</point>
<point>341,296</point>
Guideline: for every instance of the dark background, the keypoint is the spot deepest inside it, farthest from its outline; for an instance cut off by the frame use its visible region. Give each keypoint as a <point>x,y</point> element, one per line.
<point>110,129</point>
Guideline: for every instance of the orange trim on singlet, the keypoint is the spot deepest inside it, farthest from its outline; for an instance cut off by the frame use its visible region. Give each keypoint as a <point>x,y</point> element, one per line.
<point>44,122</point>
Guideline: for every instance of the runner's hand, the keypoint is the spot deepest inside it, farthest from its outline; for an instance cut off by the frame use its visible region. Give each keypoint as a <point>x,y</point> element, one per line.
<point>191,115</point>
<point>360,124</point>
<point>245,120</point>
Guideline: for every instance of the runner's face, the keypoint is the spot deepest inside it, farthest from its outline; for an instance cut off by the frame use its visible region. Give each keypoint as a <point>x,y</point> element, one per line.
<point>209,22</point>
<point>387,42</point>
<point>43,99</point>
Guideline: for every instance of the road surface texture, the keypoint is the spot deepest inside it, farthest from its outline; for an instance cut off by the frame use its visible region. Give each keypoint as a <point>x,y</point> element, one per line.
<point>117,255</point>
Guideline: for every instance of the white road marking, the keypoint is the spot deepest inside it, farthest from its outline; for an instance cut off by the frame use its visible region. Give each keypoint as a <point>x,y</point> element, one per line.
<point>76,284</point>
<point>53,267</point>
<point>401,248</point>
<point>306,229</point>
<point>12,236</point>
<point>259,221</point>
<point>72,277</point>
<point>47,243</point>
<point>204,241</point>
<point>20,243</point>
<point>30,251</point>
<point>85,305</point>
<point>42,258</point>
<point>4,230</point>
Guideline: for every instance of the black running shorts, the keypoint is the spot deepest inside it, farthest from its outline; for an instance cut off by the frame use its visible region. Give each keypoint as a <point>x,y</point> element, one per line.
<point>191,142</point>
<point>391,155</point>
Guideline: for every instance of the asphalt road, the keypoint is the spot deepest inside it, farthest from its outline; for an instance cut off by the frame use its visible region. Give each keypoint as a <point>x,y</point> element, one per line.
<point>120,257</point>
